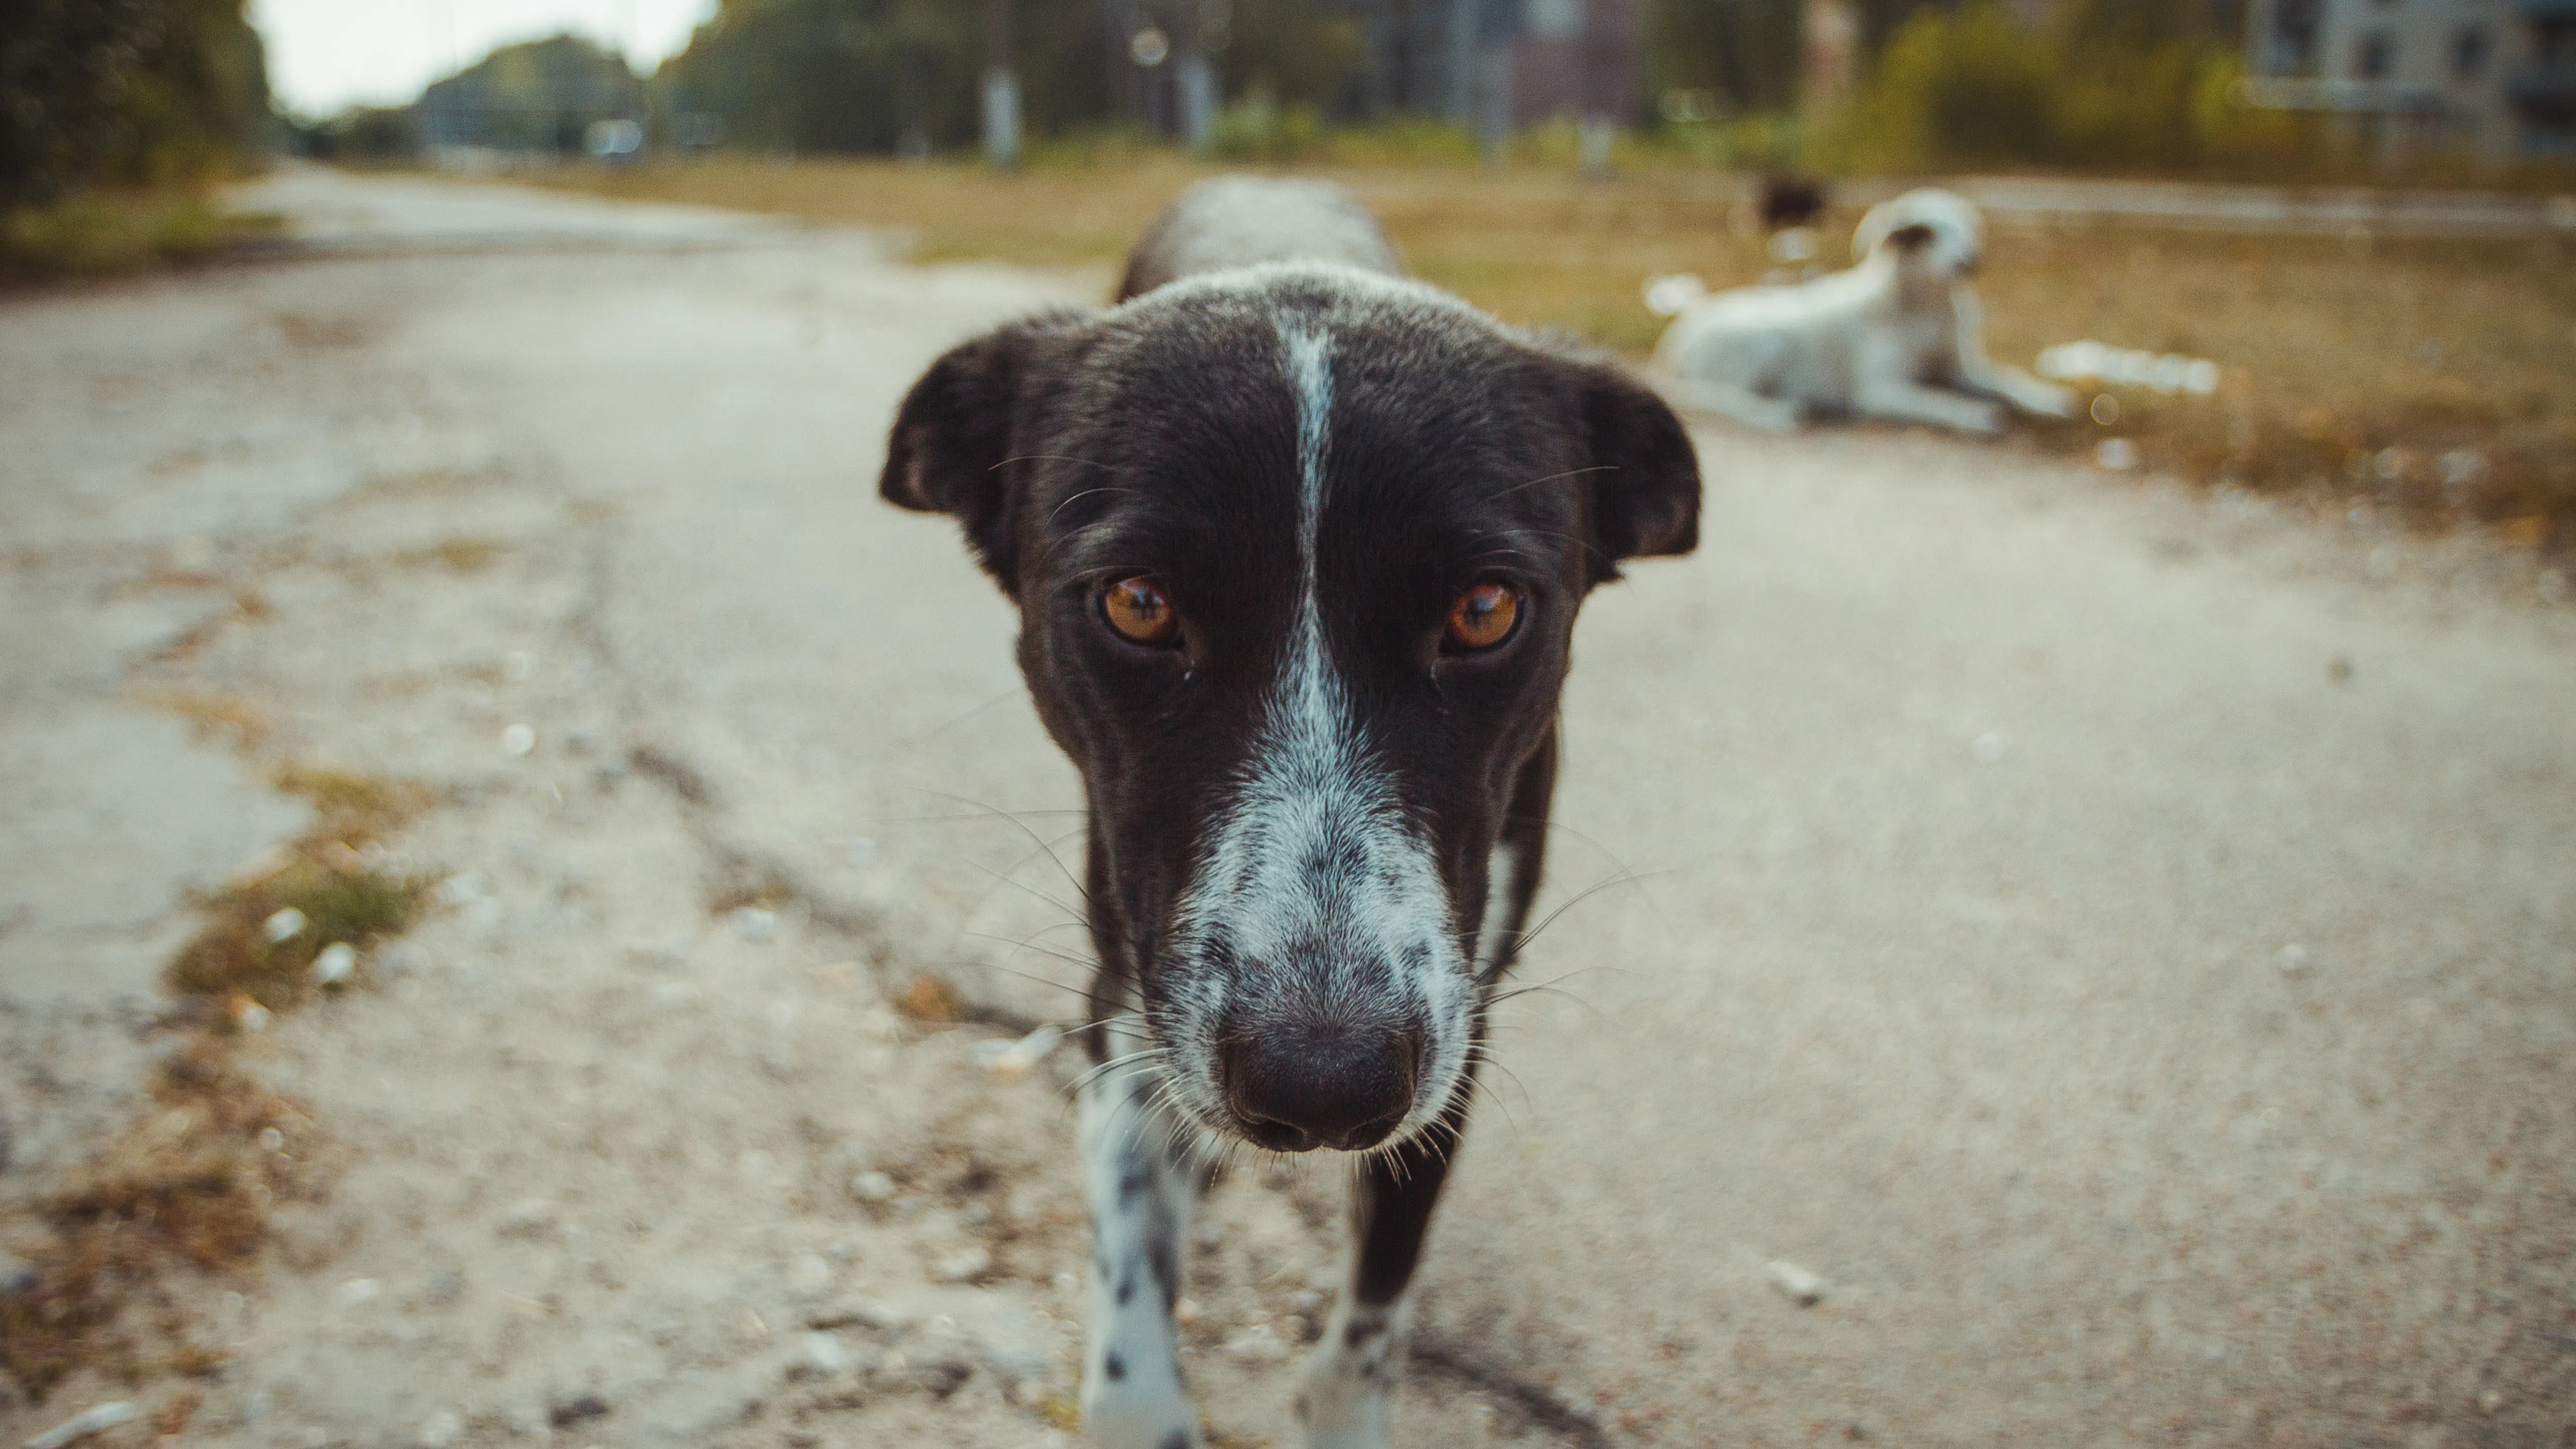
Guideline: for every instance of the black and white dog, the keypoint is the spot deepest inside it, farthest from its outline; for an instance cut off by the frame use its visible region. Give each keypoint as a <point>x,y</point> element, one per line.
<point>1297,545</point>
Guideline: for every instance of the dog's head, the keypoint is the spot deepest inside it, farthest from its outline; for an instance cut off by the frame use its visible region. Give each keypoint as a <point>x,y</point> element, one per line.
<point>1297,552</point>
<point>1933,232</point>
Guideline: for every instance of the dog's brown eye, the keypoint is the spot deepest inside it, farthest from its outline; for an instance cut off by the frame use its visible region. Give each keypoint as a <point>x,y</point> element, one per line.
<point>1483,617</point>
<point>1137,609</point>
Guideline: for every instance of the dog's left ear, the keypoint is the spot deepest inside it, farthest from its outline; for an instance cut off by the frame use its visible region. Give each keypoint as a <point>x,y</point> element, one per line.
<point>1644,492</point>
<point>955,427</point>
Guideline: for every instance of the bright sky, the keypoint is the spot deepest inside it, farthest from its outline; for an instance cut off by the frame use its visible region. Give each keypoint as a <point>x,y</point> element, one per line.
<point>327,54</point>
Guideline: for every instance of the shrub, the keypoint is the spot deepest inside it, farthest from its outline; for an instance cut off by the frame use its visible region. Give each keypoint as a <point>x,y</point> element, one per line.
<point>108,92</point>
<point>1258,128</point>
<point>2113,86</point>
<point>1971,88</point>
<point>101,234</point>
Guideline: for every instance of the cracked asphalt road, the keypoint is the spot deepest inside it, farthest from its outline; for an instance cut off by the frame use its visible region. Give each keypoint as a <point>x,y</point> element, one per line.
<point>2124,943</point>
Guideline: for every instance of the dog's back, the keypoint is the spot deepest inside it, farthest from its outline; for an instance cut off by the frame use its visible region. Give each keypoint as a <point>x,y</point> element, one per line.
<point>1241,221</point>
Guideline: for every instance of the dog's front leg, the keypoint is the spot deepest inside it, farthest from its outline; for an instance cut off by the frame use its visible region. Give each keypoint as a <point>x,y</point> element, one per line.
<point>1343,1400</point>
<point>1900,400</point>
<point>1980,373</point>
<point>1141,1180</point>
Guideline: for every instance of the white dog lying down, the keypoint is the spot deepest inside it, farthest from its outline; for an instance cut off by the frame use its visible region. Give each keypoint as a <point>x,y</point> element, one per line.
<point>1897,336</point>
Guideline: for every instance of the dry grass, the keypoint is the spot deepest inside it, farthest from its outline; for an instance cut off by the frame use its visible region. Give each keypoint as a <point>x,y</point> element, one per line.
<point>931,1001</point>
<point>192,1184</point>
<point>2351,368</point>
<point>356,809</point>
<point>249,607</point>
<point>212,715</point>
<point>456,555</point>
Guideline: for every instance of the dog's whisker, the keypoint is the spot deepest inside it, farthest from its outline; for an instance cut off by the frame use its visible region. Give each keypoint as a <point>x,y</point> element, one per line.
<point>971,962</point>
<point>1055,458</point>
<point>1516,1081</point>
<point>935,731</point>
<point>1002,878</point>
<point>1044,845</point>
<point>1030,943</point>
<point>1102,1069</point>
<point>1552,477</point>
<point>1550,988</point>
<point>1590,840</point>
<point>977,817</point>
<point>1521,940</point>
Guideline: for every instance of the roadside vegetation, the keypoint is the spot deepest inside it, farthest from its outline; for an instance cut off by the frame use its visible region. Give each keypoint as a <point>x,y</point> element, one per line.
<point>107,233</point>
<point>121,116</point>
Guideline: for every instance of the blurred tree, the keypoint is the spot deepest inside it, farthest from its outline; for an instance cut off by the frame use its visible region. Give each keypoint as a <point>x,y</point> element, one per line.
<point>115,91</point>
<point>1298,52</point>
<point>1745,52</point>
<point>831,75</point>
<point>2111,28</point>
<point>2096,83</point>
<point>363,133</point>
<point>1881,19</point>
<point>878,75</point>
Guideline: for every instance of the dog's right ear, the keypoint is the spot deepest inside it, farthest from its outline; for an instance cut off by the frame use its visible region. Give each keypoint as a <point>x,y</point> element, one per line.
<point>954,430</point>
<point>1881,228</point>
<point>1910,238</point>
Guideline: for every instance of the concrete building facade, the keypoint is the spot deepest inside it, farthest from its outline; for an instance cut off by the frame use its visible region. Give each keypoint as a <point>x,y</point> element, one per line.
<point>2497,75</point>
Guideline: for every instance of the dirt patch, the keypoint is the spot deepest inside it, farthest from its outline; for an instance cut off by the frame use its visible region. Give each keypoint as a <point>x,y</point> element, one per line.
<point>304,330</point>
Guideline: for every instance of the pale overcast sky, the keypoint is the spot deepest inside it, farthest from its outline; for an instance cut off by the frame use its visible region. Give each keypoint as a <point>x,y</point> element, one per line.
<point>326,54</point>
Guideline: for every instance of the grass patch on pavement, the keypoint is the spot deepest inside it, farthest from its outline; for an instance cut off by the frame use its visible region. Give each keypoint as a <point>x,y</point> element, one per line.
<point>191,1184</point>
<point>257,953</point>
<point>110,233</point>
<point>2431,379</point>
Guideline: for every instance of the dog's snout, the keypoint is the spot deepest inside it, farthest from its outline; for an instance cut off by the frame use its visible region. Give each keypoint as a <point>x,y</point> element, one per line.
<point>1297,1088</point>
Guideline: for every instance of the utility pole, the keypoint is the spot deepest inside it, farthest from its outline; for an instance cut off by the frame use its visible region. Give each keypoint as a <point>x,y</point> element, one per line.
<point>1001,90</point>
<point>1463,35</point>
<point>1194,82</point>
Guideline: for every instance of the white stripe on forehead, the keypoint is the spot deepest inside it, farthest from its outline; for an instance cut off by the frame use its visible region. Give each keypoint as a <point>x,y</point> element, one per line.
<point>1310,372</point>
<point>1328,905</point>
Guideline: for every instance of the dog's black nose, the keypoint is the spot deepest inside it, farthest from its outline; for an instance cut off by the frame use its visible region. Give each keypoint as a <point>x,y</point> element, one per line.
<point>1297,1088</point>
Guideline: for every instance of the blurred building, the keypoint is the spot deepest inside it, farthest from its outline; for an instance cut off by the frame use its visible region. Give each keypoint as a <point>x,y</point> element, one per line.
<point>1573,58</point>
<point>2498,75</point>
<point>1829,48</point>
<point>1476,62</point>
<point>544,97</point>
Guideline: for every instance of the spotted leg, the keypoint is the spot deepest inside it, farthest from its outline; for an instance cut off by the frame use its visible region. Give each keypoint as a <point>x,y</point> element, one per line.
<point>1343,1398</point>
<point>1141,1181</point>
